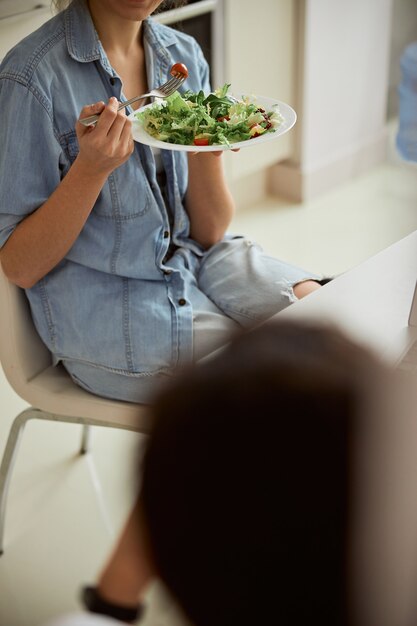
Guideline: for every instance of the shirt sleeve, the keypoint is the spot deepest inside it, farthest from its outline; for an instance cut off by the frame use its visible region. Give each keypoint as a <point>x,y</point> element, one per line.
<point>29,156</point>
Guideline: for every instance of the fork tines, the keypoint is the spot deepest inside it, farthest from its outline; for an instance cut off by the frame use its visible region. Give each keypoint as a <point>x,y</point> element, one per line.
<point>173,84</point>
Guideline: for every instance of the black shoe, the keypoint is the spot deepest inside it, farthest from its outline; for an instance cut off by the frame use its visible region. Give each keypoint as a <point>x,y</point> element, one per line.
<point>94,603</point>
<point>324,281</point>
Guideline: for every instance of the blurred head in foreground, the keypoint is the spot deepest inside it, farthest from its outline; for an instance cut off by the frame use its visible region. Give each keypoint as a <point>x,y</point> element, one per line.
<point>265,484</point>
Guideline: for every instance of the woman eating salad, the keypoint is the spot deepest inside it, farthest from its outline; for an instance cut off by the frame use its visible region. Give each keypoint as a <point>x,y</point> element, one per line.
<point>123,253</point>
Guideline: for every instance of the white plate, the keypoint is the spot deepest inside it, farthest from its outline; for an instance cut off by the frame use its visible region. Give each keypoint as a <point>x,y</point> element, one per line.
<point>288,114</point>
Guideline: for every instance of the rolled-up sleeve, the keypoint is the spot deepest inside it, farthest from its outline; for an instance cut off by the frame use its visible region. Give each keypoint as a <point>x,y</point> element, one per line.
<point>30,153</point>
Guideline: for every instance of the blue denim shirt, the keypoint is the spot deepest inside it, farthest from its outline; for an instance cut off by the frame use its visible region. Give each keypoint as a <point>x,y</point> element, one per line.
<point>114,300</point>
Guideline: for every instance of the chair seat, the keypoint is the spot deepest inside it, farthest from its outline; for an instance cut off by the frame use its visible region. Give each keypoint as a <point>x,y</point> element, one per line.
<point>53,390</point>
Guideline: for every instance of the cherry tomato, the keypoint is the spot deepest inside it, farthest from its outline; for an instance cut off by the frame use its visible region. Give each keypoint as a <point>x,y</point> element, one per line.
<point>201,141</point>
<point>179,68</point>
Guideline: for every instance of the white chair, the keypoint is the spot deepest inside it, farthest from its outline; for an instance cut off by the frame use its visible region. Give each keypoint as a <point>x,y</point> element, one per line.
<point>48,390</point>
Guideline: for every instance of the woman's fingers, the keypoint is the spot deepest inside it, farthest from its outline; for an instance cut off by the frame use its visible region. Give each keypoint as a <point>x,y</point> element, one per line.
<point>108,116</point>
<point>125,138</point>
<point>119,123</point>
<point>112,122</point>
<point>89,109</point>
<point>109,143</point>
<point>120,134</point>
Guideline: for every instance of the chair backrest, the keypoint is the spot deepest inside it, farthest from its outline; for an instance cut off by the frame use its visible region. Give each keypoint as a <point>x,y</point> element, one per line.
<point>23,355</point>
<point>27,364</point>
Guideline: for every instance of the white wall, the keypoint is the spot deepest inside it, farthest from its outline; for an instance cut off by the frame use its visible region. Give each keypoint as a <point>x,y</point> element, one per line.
<point>343,92</point>
<point>346,64</point>
<point>13,29</point>
<point>259,58</point>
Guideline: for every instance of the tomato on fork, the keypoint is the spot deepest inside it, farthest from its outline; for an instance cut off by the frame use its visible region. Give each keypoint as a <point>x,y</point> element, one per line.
<point>179,68</point>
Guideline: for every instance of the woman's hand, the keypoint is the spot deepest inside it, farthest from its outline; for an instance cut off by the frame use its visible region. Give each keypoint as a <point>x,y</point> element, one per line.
<point>109,143</point>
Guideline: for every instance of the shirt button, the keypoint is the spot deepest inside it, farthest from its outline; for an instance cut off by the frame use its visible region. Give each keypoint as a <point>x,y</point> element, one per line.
<point>181,301</point>
<point>166,234</point>
<point>112,80</point>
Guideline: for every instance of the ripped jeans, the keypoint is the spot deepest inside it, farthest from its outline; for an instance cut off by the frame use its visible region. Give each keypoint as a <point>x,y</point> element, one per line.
<point>235,285</point>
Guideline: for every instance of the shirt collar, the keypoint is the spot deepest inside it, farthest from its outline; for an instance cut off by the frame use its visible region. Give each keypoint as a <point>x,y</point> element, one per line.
<point>157,39</point>
<point>158,35</point>
<point>81,36</point>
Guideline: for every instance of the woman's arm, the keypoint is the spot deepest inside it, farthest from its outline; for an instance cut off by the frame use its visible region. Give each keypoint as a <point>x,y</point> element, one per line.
<point>209,203</point>
<point>43,238</point>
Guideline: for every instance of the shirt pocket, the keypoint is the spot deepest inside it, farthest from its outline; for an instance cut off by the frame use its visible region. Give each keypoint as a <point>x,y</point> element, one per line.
<point>126,194</point>
<point>69,143</point>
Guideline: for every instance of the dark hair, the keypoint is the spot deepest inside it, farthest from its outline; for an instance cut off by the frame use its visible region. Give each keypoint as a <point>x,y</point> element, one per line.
<point>246,478</point>
<point>170,4</point>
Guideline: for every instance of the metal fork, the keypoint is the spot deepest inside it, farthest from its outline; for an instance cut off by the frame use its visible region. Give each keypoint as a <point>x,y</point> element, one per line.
<point>163,91</point>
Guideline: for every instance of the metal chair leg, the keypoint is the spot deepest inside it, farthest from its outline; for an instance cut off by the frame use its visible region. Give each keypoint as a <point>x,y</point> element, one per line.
<point>86,439</point>
<point>7,464</point>
<point>12,445</point>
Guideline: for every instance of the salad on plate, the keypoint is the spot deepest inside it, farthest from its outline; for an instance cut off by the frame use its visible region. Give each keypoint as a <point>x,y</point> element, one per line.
<point>196,119</point>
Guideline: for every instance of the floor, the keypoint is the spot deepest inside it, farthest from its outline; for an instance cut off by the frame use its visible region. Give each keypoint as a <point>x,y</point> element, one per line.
<point>64,509</point>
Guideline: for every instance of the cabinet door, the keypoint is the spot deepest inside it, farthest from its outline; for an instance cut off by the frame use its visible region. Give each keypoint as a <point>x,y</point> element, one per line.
<point>259,58</point>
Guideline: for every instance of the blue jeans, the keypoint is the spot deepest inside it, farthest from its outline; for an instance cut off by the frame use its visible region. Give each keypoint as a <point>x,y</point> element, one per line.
<point>244,285</point>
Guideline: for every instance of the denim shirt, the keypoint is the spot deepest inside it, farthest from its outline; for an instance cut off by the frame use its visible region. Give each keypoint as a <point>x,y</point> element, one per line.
<point>114,301</point>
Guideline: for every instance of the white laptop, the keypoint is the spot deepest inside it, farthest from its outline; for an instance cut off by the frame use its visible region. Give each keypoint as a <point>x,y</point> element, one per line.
<point>408,360</point>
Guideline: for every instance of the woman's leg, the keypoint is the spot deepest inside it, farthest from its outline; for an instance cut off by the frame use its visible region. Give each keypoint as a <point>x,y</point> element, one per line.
<point>247,284</point>
<point>128,571</point>
<point>304,288</point>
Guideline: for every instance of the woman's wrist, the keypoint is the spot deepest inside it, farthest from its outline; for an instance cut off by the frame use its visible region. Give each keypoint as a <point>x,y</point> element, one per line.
<point>85,169</point>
